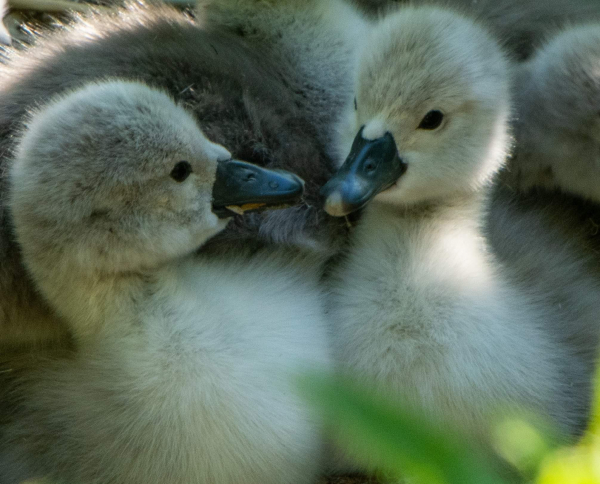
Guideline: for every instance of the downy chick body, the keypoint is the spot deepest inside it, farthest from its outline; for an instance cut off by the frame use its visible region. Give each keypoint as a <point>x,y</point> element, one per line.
<point>183,368</point>
<point>420,306</point>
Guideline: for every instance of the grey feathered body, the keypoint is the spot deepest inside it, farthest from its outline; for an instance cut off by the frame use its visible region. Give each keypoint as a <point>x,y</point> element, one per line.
<point>521,26</point>
<point>548,245</point>
<point>243,99</point>
<point>244,89</point>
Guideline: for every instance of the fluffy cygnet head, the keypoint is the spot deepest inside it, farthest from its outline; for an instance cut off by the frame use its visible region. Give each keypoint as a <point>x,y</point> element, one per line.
<point>115,177</point>
<point>564,82</point>
<point>429,119</point>
<point>557,96</point>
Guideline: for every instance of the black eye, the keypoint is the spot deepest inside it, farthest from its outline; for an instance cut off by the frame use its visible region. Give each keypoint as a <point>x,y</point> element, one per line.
<point>432,120</point>
<point>181,171</point>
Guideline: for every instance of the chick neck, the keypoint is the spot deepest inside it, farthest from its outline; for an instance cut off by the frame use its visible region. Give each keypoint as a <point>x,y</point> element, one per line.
<point>442,235</point>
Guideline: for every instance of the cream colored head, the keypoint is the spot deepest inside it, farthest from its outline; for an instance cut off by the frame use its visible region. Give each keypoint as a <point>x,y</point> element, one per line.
<point>438,84</point>
<point>557,98</point>
<point>563,88</point>
<point>558,102</point>
<point>116,177</point>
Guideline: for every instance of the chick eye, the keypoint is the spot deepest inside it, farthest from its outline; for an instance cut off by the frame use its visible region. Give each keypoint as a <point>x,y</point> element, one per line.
<point>181,171</point>
<point>432,120</point>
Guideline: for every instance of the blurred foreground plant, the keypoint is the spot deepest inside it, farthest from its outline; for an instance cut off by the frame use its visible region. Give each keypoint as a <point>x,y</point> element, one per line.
<point>579,464</point>
<point>400,443</point>
<point>393,440</point>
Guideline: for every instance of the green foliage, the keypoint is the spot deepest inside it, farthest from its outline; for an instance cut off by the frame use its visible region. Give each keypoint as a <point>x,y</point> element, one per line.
<point>579,464</point>
<point>396,440</point>
<point>401,443</point>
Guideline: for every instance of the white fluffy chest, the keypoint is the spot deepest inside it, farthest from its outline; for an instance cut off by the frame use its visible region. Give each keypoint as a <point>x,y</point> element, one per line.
<point>411,285</point>
<point>202,379</point>
<point>210,315</point>
<point>422,312</point>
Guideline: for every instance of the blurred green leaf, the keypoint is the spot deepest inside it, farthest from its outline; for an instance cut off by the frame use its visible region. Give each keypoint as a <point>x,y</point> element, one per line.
<point>579,464</point>
<point>594,427</point>
<point>572,465</point>
<point>525,442</point>
<point>395,439</point>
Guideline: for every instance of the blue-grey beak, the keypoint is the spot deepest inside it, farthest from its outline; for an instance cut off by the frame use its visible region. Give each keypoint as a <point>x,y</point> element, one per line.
<point>371,167</point>
<point>242,186</point>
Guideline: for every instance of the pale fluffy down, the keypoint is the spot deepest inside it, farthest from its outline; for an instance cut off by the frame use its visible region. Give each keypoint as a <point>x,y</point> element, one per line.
<point>238,68</point>
<point>420,306</point>
<point>557,97</point>
<point>183,369</point>
<point>200,390</point>
<point>250,88</point>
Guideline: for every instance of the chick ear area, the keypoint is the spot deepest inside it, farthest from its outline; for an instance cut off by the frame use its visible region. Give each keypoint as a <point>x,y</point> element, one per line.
<point>371,167</point>
<point>242,186</point>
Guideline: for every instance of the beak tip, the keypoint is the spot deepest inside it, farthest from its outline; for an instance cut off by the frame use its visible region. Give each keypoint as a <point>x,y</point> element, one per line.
<point>334,205</point>
<point>300,184</point>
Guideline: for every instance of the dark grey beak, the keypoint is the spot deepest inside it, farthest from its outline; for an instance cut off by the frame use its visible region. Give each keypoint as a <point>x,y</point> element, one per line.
<point>371,167</point>
<point>242,186</point>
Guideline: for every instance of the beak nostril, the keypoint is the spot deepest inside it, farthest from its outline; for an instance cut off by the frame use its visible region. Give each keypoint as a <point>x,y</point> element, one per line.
<point>250,177</point>
<point>273,184</point>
